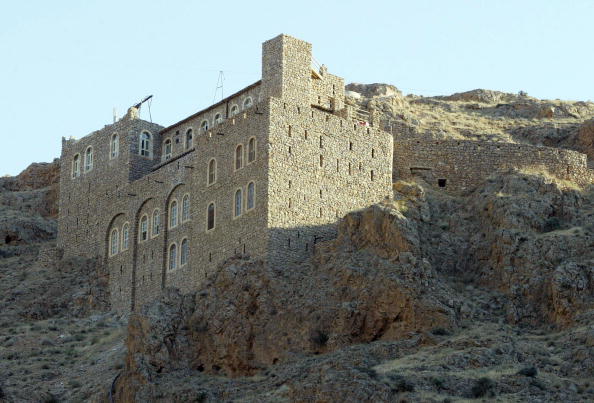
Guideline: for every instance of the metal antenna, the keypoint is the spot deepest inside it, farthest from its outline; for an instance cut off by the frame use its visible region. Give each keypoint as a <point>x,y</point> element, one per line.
<point>219,85</point>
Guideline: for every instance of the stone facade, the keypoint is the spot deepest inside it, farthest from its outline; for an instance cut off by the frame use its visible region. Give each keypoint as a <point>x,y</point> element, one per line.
<point>304,163</point>
<point>277,164</point>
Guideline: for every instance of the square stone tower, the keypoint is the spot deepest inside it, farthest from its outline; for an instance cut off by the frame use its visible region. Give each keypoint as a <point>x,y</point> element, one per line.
<point>286,69</point>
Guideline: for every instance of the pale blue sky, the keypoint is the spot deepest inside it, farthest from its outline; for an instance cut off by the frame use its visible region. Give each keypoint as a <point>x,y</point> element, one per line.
<point>64,65</point>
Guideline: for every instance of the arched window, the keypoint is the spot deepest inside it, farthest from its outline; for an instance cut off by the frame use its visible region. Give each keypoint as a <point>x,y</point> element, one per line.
<point>251,195</point>
<point>114,146</point>
<point>125,236</point>
<point>251,150</point>
<point>212,171</point>
<point>186,208</point>
<point>172,264</point>
<point>218,119</point>
<point>247,103</point>
<point>189,139</point>
<point>173,214</point>
<point>156,230</point>
<point>210,219</point>
<point>146,145</point>
<point>238,203</point>
<point>76,166</point>
<point>114,242</point>
<point>234,110</point>
<point>204,125</point>
<point>166,150</point>
<point>143,228</point>
<point>238,157</point>
<point>89,159</point>
<point>185,252</point>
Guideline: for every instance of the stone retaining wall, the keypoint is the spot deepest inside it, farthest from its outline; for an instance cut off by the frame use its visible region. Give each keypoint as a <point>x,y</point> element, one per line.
<point>460,165</point>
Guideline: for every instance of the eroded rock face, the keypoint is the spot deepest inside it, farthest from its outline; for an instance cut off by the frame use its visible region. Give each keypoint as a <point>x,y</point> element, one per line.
<point>516,252</point>
<point>534,241</point>
<point>365,286</point>
<point>33,191</point>
<point>374,90</point>
<point>585,139</point>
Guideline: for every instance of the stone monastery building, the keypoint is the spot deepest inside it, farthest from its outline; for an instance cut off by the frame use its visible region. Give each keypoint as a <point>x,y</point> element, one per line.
<point>266,172</point>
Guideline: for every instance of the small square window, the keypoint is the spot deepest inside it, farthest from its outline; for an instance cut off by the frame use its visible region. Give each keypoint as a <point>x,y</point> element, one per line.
<point>441,183</point>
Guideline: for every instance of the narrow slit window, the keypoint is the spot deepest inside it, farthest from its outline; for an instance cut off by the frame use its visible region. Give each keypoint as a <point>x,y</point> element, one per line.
<point>212,171</point>
<point>186,208</point>
<point>114,242</point>
<point>238,157</point>
<point>173,214</point>
<point>76,166</point>
<point>189,139</point>
<point>125,236</point>
<point>210,221</point>
<point>156,230</point>
<point>173,257</point>
<point>167,150</point>
<point>251,150</point>
<point>185,252</point>
<point>89,159</point>
<point>238,202</point>
<point>114,147</point>
<point>251,195</point>
<point>144,228</point>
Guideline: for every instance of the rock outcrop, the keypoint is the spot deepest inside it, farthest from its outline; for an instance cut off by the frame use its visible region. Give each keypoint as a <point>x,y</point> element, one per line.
<point>365,286</point>
<point>585,139</point>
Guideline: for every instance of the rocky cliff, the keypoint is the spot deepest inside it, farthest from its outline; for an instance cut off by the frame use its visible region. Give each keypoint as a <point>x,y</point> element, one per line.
<point>498,284</point>
<point>427,297</point>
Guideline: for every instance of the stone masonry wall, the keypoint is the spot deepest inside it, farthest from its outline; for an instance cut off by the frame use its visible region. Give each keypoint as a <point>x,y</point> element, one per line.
<point>464,163</point>
<point>186,174</point>
<point>321,167</point>
<point>312,166</point>
<point>85,199</point>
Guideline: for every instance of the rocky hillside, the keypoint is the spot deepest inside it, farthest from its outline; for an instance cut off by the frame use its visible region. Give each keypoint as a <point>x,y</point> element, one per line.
<point>481,115</point>
<point>58,342</point>
<point>425,298</point>
<point>486,296</point>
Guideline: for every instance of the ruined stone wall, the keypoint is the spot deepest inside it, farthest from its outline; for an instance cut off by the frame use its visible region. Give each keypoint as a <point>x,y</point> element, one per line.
<point>321,167</point>
<point>328,91</point>
<point>464,164</point>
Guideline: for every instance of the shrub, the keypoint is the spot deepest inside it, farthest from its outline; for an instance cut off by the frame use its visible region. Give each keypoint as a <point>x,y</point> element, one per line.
<point>398,383</point>
<point>320,338</point>
<point>482,387</point>
<point>551,224</point>
<point>440,331</point>
<point>528,371</point>
<point>75,384</point>
<point>437,382</point>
